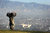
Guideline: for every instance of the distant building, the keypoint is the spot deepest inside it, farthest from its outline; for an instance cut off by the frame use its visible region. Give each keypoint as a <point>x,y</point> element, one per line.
<point>26,25</point>
<point>48,28</point>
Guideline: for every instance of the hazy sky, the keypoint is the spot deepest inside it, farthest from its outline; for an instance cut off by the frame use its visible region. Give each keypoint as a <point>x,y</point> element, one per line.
<point>37,1</point>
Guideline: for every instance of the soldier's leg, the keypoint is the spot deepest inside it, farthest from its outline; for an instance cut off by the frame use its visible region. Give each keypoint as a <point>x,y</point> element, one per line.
<point>12,27</point>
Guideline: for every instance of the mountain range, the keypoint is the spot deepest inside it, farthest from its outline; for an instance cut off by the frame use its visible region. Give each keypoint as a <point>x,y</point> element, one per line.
<point>33,8</point>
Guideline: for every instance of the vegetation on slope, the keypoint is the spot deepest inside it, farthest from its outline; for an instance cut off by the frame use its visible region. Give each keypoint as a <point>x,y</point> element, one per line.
<point>15,31</point>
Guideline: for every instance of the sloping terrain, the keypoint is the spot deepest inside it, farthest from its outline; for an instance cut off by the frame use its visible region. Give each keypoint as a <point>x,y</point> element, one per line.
<point>10,31</point>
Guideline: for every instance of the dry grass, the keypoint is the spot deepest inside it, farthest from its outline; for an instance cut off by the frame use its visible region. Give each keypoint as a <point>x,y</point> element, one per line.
<point>14,31</point>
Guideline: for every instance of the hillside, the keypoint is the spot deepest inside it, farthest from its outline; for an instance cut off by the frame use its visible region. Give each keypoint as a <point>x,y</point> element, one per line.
<point>9,31</point>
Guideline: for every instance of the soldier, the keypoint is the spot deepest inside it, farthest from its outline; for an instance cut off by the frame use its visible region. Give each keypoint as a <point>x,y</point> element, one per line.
<point>11,19</point>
